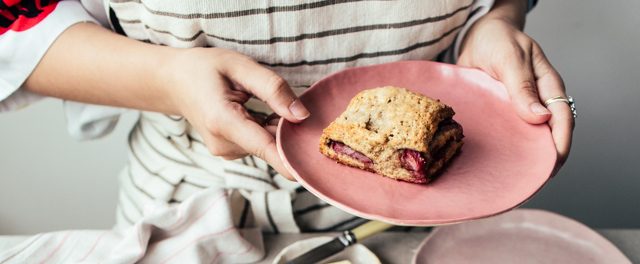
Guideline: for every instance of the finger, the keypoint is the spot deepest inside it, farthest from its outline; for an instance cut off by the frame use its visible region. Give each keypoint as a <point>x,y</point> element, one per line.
<point>273,122</point>
<point>221,147</point>
<point>271,125</point>
<point>272,130</point>
<point>273,119</point>
<point>561,122</point>
<point>259,119</point>
<point>517,74</point>
<point>252,137</point>
<point>269,87</point>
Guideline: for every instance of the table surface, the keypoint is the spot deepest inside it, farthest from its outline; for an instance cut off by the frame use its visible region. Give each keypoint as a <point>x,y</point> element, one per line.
<point>397,247</point>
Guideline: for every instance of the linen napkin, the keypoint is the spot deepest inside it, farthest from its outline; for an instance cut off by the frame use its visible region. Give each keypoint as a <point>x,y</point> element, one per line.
<point>199,230</point>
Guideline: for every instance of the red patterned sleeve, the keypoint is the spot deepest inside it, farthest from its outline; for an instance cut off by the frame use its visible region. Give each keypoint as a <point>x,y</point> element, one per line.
<point>19,15</point>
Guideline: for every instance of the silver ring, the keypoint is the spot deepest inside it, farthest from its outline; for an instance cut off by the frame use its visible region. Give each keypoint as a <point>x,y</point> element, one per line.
<point>569,100</point>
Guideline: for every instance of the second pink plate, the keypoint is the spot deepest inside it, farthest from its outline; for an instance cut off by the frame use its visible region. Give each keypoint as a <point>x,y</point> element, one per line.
<point>520,236</point>
<point>503,163</point>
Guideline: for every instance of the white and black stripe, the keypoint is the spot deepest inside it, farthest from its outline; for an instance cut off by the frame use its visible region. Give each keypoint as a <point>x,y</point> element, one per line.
<point>364,55</point>
<point>239,13</point>
<point>302,42</point>
<point>303,36</point>
<point>161,170</point>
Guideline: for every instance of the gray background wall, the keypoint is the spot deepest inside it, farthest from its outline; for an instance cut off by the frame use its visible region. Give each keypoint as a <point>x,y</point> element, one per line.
<point>50,182</point>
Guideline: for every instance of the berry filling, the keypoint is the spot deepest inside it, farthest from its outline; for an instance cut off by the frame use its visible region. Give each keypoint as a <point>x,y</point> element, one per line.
<point>346,150</point>
<point>413,161</point>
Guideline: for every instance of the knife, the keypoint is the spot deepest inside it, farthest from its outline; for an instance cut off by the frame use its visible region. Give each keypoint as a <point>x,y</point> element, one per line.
<point>336,245</point>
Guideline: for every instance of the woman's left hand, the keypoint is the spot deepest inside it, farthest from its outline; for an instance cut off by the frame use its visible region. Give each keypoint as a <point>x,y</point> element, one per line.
<point>497,45</point>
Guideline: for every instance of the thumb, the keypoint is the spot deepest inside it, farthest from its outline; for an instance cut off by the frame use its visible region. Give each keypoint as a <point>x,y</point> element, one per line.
<point>269,87</point>
<point>519,79</point>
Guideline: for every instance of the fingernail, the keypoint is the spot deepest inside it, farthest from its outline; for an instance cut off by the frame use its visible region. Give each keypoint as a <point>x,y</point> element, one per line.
<point>298,110</point>
<point>538,109</point>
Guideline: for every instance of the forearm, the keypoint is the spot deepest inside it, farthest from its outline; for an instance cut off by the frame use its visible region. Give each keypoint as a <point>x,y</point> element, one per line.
<point>90,64</point>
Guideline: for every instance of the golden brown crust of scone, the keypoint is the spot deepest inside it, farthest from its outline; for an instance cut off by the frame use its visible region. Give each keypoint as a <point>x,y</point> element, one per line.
<point>382,121</point>
<point>411,124</point>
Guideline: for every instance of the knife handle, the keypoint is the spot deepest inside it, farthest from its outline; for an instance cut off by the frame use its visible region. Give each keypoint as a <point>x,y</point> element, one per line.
<point>369,228</point>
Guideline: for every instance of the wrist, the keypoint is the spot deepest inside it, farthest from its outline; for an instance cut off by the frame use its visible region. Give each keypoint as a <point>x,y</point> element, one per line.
<point>510,11</point>
<point>164,75</point>
<point>504,15</point>
<point>182,75</point>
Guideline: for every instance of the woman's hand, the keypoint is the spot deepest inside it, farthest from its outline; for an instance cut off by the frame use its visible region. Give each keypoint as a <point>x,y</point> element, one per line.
<point>497,45</point>
<point>210,87</point>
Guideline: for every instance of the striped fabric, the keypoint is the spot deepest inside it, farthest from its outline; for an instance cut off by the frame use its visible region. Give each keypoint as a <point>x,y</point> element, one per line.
<point>169,162</point>
<point>302,41</point>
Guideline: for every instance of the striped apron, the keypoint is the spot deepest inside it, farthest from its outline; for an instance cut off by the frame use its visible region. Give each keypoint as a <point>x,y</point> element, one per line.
<point>302,41</point>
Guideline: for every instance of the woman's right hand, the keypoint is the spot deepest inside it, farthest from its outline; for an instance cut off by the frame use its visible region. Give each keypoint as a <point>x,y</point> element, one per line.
<point>210,87</point>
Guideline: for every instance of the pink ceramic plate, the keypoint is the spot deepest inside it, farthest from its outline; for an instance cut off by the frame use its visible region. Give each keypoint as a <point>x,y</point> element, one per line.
<point>520,236</point>
<point>503,163</point>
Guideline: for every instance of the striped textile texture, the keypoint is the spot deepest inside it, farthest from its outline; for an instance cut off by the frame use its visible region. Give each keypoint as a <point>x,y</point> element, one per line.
<point>168,162</point>
<point>302,41</point>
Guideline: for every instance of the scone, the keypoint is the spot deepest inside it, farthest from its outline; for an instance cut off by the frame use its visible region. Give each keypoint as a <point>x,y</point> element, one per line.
<point>394,132</point>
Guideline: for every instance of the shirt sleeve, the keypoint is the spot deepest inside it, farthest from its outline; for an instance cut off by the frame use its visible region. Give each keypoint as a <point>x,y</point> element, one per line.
<point>27,29</point>
<point>531,4</point>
